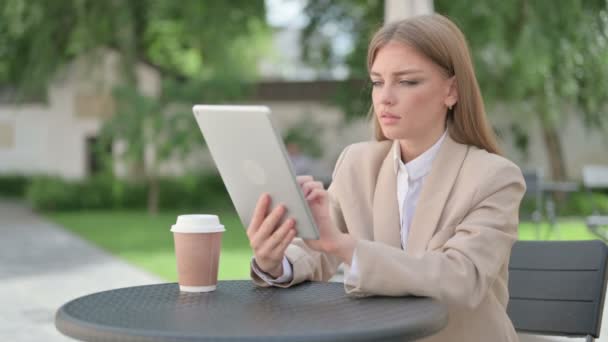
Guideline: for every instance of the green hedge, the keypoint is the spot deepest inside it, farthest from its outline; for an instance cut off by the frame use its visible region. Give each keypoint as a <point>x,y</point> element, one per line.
<point>103,192</point>
<point>194,191</point>
<point>575,204</point>
<point>582,204</point>
<point>187,192</point>
<point>13,185</point>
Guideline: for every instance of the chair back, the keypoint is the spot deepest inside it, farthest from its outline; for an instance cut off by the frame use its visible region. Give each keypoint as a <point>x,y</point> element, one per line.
<point>534,180</point>
<point>557,287</point>
<point>595,176</point>
<point>534,192</point>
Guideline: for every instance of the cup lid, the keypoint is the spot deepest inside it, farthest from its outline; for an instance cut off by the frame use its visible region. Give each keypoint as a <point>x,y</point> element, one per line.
<point>197,223</point>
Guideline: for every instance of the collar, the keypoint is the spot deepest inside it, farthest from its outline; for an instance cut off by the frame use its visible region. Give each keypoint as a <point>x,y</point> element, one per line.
<point>421,165</point>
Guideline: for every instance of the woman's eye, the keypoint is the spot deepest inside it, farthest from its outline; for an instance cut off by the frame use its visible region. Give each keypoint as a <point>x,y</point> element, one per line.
<point>376,83</point>
<point>408,82</point>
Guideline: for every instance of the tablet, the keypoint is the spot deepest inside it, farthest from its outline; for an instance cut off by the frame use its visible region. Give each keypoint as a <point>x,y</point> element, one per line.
<point>252,159</point>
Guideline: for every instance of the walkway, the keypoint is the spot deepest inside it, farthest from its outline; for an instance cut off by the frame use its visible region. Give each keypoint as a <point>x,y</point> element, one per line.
<point>43,266</point>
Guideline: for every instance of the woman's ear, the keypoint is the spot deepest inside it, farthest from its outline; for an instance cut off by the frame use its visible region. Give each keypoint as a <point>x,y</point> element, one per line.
<point>452,92</point>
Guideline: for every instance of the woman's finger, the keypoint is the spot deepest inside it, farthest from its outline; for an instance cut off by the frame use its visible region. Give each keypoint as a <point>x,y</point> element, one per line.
<point>316,194</point>
<point>309,186</point>
<point>268,225</point>
<point>287,239</point>
<point>303,179</point>
<point>275,239</point>
<point>259,213</point>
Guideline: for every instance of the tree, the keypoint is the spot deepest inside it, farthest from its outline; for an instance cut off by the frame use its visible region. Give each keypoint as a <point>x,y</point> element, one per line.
<point>551,58</point>
<point>358,19</point>
<point>541,57</point>
<point>203,50</point>
<point>186,39</point>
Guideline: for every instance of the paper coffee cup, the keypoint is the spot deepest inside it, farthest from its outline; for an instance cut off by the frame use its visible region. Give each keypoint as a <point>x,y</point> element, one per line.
<point>198,240</point>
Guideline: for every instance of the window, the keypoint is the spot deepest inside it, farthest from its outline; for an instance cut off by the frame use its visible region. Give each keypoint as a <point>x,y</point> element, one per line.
<point>7,135</point>
<point>96,155</point>
<point>93,105</point>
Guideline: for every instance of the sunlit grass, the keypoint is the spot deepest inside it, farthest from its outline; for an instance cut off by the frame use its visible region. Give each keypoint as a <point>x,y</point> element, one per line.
<point>146,242</point>
<point>566,229</point>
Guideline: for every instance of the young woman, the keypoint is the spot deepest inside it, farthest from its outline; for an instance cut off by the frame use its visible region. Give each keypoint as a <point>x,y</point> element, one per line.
<point>429,209</point>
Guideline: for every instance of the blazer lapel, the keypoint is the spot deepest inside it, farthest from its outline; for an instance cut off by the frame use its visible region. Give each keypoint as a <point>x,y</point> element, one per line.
<point>386,227</point>
<point>434,194</point>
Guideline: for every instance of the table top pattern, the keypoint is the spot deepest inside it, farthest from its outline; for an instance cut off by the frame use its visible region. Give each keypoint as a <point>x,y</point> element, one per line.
<point>241,311</point>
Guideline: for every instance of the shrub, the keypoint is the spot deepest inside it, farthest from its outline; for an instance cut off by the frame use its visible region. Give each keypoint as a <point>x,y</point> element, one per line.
<point>13,185</point>
<point>98,192</point>
<point>583,204</point>
<point>577,204</point>
<point>52,193</point>
<point>107,192</point>
<point>193,191</point>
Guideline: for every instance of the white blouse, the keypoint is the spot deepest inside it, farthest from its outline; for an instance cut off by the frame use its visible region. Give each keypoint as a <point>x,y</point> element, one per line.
<point>410,178</point>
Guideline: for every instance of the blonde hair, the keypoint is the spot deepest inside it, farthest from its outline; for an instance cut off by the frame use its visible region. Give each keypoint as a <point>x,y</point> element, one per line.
<point>440,40</point>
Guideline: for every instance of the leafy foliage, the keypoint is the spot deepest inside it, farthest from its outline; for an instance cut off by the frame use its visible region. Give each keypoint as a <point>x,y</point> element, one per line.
<point>539,51</point>
<point>203,51</point>
<point>183,39</point>
<point>359,19</point>
<point>13,185</point>
<point>523,50</point>
<point>545,59</point>
<point>193,191</point>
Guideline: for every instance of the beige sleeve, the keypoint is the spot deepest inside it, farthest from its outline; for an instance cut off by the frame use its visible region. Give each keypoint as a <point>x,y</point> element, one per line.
<point>308,264</point>
<point>462,270</point>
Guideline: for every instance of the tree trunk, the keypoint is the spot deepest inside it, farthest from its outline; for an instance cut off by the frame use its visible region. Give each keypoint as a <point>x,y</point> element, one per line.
<point>551,138</point>
<point>555,152</point>
<point>153,195</point>
<point>553,146</point>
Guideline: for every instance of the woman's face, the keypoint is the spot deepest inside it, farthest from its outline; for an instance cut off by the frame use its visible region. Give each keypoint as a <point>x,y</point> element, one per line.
<point>410,93</point>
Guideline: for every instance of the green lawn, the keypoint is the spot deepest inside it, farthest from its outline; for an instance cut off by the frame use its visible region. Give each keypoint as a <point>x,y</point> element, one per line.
<point>566,229</point>
<point>147,242</point>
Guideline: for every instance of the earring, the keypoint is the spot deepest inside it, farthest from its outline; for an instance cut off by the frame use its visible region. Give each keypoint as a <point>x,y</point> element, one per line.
<point>450,107</point>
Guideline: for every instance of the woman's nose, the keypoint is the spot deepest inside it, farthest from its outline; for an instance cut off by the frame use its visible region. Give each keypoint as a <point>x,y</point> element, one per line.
<point>387,96</point>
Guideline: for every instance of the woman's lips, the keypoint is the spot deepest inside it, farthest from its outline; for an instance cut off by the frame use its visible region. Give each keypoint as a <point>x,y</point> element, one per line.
<point>389,119</point>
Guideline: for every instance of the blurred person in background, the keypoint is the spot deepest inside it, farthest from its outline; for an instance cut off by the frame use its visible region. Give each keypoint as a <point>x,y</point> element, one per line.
<point>302,163</point>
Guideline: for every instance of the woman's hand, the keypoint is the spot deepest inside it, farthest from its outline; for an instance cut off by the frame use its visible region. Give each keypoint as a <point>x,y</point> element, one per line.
<point>331,239</point>
<point>267,238</point>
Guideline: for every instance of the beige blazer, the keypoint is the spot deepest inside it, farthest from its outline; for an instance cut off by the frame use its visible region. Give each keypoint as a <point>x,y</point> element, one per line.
<point>459,242</point>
